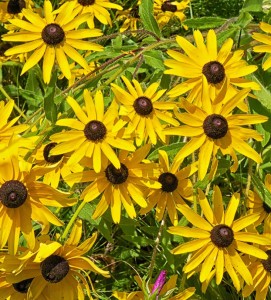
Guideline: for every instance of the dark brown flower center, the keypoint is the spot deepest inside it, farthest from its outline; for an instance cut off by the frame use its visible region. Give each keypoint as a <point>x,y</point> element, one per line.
<point>53,34</point>
<point>116,176</point>
<point>95,131</point>
<point>13,193</point>
<point>169,182</point>
<point>267,262</point>
<point>15,6</point>
<point>86,2</point>
<point>168,6</point>
<point>215,126</point>
<point>54,268</point>
<point>134,12</point>
<point>51,158</point>
<point>214,72</point>
<point>22,286</point>
<point>266,208</point>
<point>143,106</point>
<point>222,236</point>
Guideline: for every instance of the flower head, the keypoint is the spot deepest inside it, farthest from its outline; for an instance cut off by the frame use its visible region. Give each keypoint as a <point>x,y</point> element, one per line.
<point>142,110</point>
<point>119,186</point>
<point>53,37</point>
<point>214,127</point>
<point>93,133</point>
<point>24,199</point>
<point>218,239</point>
<point>203,61</point>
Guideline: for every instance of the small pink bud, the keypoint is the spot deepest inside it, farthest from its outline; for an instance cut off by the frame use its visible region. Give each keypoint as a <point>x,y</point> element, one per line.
<point>159,283</point>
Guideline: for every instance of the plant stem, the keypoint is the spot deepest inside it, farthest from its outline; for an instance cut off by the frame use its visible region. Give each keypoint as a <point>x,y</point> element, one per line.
<point>72,220</point>
<point>157,242</point>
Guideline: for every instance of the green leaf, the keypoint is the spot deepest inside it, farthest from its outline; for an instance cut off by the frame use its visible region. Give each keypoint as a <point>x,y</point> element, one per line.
<point>244,19</point>
<point>224,35</point>
<point>261,190</point>
<point>49,104</point>
<point>252,5</point>
<point>204,22</point>
<point>154,59</point>
<point>147,18</point>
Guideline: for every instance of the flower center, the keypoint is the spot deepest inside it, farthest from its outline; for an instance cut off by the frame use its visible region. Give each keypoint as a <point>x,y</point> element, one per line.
<point>135,12</point>
<point>266,208</point>
<point>52,34</point>
<point>168,6</point>
<point>143,106</point>
<point>214,72</point>
<point>215,126</point>
<point>95,131</point>
<point>54,268</point>
<point>169,182</point>
<point>86,2</point>
<point>51,158</point>
<point>13,193</point>
<point>116,176</point>
<point>22,286</point>
<point>267,262</point>
<point>15,6</point>
<point>222,236</point>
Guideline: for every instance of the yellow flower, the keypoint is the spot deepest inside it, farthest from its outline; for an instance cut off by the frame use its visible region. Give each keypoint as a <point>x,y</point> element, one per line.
<point>143,111</point>
<point>95,9</point>
<point>214,127</point>
<point>53,37</point>
<point>176,187</point>
<point>266,40</point>
<point>93,133</point>
<point>260,271</point>
<point>53,168</point>
<point>129,17</point>
<point>165,10</point>
<point>22,200</point>
<point>119,186</point>
<point>12,9</point>
<point>204,62</point>
<point>218,239</point>
<point>55,271</point>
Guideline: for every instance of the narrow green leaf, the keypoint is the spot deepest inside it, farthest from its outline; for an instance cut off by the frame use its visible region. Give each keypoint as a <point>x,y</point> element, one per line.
<point>261,190</point>
<point>146,15</point>
<point>171,150</point>
<point>204,22</point>
<point>154,59</point>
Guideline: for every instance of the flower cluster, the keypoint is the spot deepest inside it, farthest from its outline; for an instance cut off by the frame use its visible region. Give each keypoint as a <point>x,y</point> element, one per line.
<point>134,146</point>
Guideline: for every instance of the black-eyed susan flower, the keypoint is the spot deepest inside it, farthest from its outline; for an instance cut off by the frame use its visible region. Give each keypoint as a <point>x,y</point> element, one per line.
<point>214,127</point>
<point>56,271</point>
<point>218,239</point>
<point>93,133</point>
<point>176,187</point>
<point>142,110</point>
<point>159,290</point>
<point>24,199</point>
<point>130,17</point>
<point>95,9</point>
<point>204,61</point>
<point>53,37</point>
<point>12,8</point>
<point>266,40</point>
<point>119,186</point>
<point>257,205</point>
<point>53,168</point>
<point>261,272</point>
<point>165,10</point>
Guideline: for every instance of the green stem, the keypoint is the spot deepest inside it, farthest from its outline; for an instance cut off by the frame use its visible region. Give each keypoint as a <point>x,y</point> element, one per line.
<point>157,242</point>
<point>72,220</point>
